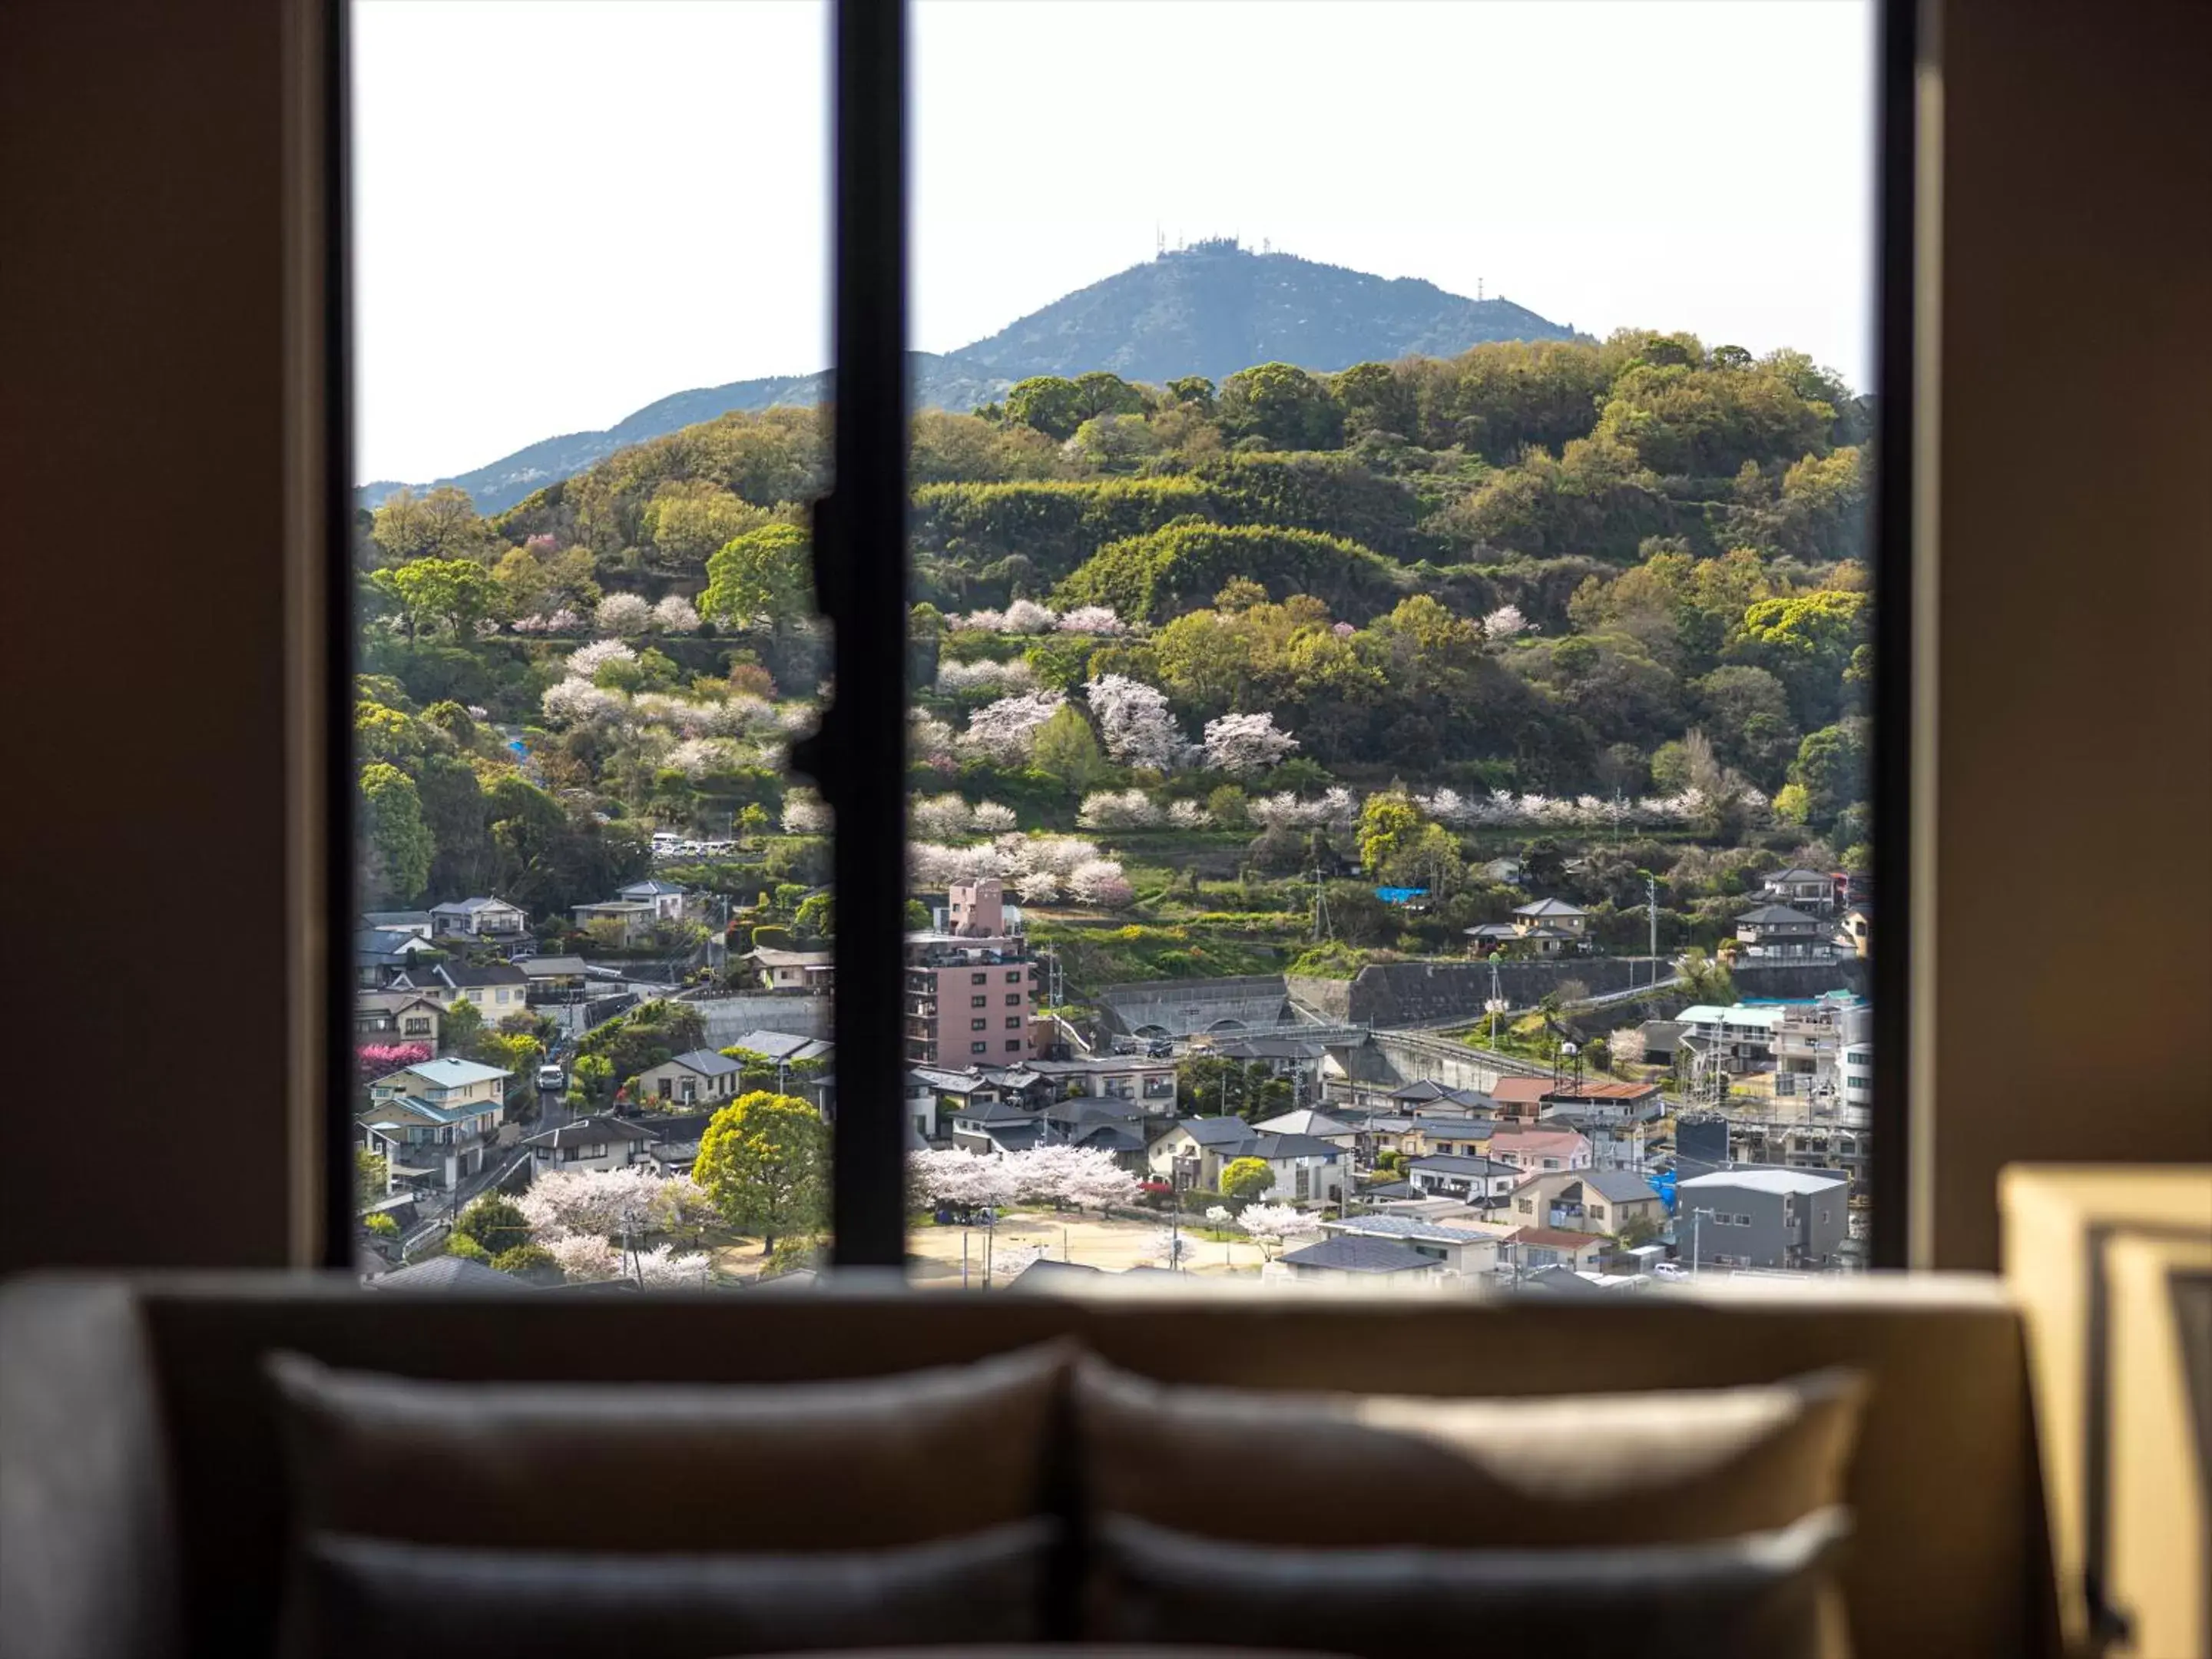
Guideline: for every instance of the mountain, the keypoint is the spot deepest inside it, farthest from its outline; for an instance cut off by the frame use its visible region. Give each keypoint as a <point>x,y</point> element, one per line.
<point>1209,309</point>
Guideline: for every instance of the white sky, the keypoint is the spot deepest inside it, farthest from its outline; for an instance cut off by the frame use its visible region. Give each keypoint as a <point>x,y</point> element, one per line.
<point>567,209</point>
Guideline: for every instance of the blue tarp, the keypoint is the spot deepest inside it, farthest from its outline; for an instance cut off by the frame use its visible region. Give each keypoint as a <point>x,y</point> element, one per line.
<point>1663,1184</point>
<point>1401,895</point>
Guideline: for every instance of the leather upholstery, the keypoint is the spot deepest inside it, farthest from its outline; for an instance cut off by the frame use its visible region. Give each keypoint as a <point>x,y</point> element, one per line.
<point>1481,1473</point>
<point>1950,1558</point>
<point>376,1598</point>
<point>1756,1597</point>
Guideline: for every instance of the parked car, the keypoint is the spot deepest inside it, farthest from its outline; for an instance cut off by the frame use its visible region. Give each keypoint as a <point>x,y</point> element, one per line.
<point>552,1078</point>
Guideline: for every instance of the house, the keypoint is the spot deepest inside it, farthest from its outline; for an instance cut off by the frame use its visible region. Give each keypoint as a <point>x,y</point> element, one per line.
<point>633,917</point>
<point>1552,1247</point>
<point>1464,1250</point>
<point>696,1075</point>
<point>497,988</point>
<point>992,1128</point>
<point>1350,1258</point>
<point>1304,1170</point>
<point>1318,1125</point>
<point>1122,1077</point>
<point>478,918</point>
<point>1811,890</point>
<point>674,1147</point>
<point>1749,1217</point>
<point>1521,1096</point>
<point>590,1143</point>
<point>392,1017</point>
<point>1532,1150</point>
<point>381,955</point>
<point>433,1122</point>
<point>1428,1094</point>
<point>666,897</point>
<point>1546,928</point>
<point>1586,1200</point>
<point>1605,1102</point>
<point>1737,1035</point>
<point>417,922</point>
<point>445,1275</point>
<point>1851,934</point>
<point>1776,933</point>
<point>554,979</point>
<point>445,1083</point>
<point>1442,1136</point>
<point>795,973</point>
<point>1480,1181</point>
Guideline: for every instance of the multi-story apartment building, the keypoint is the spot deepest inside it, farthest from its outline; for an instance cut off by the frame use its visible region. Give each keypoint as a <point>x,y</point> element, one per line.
<point>973,991</point>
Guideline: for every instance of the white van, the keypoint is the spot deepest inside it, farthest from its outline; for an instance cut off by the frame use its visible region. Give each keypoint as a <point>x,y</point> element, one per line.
<point>552,1079</point>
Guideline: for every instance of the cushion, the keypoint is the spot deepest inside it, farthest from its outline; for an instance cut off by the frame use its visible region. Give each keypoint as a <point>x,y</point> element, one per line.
<point>375,1599</point>
<point>1762,1596</point>
<point>1378,1469</point>
<point>639,1468</point>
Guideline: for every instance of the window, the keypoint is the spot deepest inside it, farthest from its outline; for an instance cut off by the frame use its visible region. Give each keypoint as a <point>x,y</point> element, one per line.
<point>1120,777</point>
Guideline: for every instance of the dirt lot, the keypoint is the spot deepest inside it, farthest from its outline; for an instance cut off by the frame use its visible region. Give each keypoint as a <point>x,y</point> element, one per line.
<point>1086,1241</point>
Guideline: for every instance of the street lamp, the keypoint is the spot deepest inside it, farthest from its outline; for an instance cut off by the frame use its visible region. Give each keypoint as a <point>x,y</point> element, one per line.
<point>1697,1229</point>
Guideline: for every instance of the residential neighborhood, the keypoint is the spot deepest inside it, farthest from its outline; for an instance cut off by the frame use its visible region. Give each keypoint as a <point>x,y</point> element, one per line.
<point>1241,1129</point>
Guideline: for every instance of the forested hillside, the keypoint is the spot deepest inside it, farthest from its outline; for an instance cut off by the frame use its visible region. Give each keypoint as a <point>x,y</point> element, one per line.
<point>1209,310</point>
<point>1565,588</point>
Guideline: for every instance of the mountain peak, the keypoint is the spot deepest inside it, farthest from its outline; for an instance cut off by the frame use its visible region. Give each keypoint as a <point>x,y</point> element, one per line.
<point>1211,307</point>
<point>1215,307</point>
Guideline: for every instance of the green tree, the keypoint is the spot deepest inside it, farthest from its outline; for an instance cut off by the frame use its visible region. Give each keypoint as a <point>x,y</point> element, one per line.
<point>372,1173</point>
<point>532,1259</point>
<point>1246,1179</point>
<point>1193,389</point>
<point>395,844</point>
<point>1066,750</point>
<point>1052,405</point>
<point>454,592</point>
<point>763,1157</point>
<point>1284,406</point>
<point>442,523</point>
<point>461,1245</point>
<point>459,1029</point>
<point>1830,770</point>
<point>768,571</point>
<point>495,1223</point>
<point>1388,823</point>
<point>1807,642</point>
<point>816,916</point>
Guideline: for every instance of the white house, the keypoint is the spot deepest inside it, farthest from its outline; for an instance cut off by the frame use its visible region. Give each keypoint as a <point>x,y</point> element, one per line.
<point>666,897</point>
<point>1482,1181</point>
<point>433,1122</point>
<point>478,918</point>
<point>699,1075</point>
<point>589,1143</point>
<point>1467,1250</point>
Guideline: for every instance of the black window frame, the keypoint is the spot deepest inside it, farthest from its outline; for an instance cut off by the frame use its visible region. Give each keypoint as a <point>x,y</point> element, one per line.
<point>863,571</point>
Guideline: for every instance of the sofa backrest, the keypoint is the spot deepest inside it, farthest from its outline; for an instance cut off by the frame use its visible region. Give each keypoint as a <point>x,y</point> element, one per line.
<point>1949,1557</point>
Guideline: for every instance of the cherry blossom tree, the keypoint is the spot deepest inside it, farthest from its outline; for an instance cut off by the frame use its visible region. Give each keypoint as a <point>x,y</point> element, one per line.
<point>993,819</point>
<point>578,702</point>
<point>1100,882</point>
<point>1092,619</point>
<point>1123,809</point>
<point>929,741</point>
<point>662,1268</point>
<point>985,676</point>
<point>1171,1250</point>
<point>682,1207</point>
<point>696,756</point>
<point>1504,622</point>
<point>382,1059</point>
<point>1271,1225</point>
<point>675,615</point>
<point>941,818</point>
<point>805,813</point>
<point>1135,721</point>
<point>1188,815</point>
<point>1005,731</point>
<point>1240,744</point>
<point>985,622</point>
<point>1037,886</point>
<point>960,1178</point>
<point>584,1258</point>
<point>1217,1215</point>
<point>1027,617</point>
<point>586,660</point>
<point>623,614</point>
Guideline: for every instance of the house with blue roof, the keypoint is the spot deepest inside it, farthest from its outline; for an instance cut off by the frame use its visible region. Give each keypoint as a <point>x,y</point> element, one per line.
<point>434,1123</point>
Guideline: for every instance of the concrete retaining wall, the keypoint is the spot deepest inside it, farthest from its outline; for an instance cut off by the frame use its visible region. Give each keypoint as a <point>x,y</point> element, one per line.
<point>1796,981</point>
<point>1400,994</point>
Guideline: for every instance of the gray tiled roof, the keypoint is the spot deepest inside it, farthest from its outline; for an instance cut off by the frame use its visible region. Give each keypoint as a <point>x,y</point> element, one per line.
<point>1346,1253</point>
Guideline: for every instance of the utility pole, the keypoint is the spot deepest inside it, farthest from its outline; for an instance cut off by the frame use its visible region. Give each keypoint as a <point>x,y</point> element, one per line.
<point>1651,908</point>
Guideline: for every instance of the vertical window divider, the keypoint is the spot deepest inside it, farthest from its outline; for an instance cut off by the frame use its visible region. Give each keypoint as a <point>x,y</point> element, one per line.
<point>859,758</point>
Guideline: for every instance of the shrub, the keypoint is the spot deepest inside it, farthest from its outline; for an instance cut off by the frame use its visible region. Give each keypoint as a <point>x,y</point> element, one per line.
<point>467,1248</point>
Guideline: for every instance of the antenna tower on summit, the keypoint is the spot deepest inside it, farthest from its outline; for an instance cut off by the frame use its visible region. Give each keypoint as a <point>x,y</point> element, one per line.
<point>1477,288</point>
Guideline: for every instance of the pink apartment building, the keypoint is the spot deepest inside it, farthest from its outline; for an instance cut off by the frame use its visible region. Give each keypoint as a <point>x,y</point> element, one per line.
<point>971,991</point>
